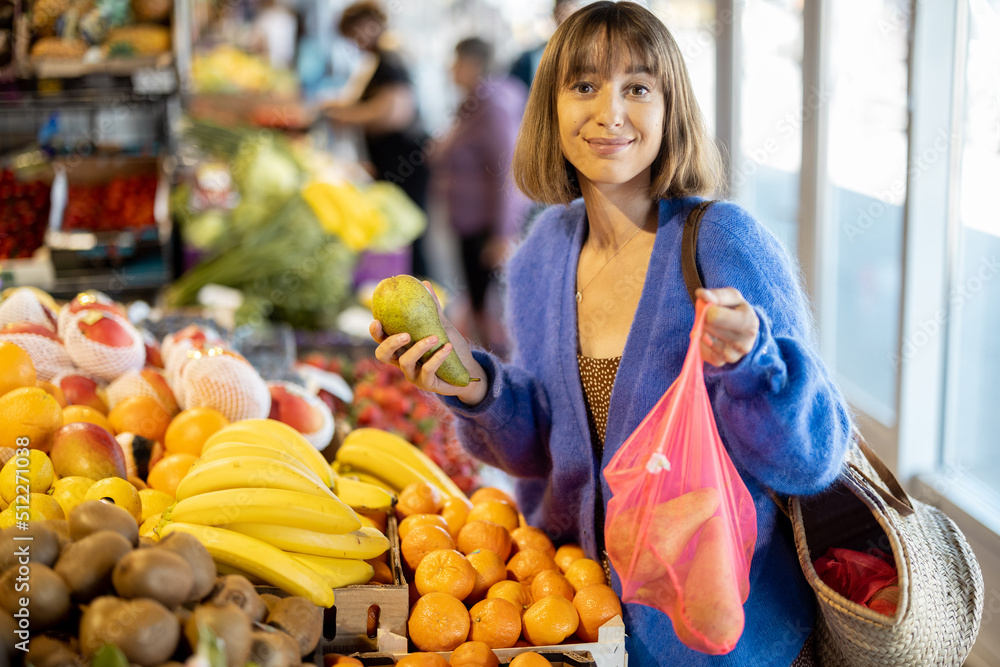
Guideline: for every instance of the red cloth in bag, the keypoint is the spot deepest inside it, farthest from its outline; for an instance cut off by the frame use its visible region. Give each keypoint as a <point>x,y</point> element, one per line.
<point>681,525</point>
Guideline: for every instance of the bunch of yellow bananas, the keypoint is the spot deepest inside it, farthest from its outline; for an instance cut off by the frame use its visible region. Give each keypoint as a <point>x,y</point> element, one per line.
<point>265,502</point>
<point>344,211</point>
<point>385,459</point>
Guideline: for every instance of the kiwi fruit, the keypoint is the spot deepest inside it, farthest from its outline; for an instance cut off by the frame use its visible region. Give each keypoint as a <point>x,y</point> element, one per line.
<point>145,630</point>
<point>91,516</point>
<point>41,543</point>
<point>8,636</point>
<point>270,600</point>
<point>159,574</point>
<point>46,651</point>
<point>86,565</point>
<point>301,619</point>
<point>145,542</point>
<point>273,648</point>
<point>48,600</point>
<point>238,590</point>
<point>229,623</point>
<point>58,526</point>
<point>202,566</point>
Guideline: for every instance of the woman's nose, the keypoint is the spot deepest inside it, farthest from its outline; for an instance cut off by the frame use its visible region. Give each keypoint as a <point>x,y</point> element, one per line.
<point>610,108</point>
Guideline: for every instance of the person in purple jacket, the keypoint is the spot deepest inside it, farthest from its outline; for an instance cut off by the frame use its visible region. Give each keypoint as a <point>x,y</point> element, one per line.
<point>470,172</point>
<point>599,316</point>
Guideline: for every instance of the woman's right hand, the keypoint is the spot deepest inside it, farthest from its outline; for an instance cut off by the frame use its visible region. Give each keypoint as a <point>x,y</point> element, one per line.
<point>391,350</point>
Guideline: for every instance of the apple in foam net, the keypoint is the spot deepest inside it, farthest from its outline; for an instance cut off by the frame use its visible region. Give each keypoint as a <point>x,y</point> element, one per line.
<point>294,410</point>
<point>100,328</point>
<point>30,328</point>
<point>94,300</point>
<point>87,450</point>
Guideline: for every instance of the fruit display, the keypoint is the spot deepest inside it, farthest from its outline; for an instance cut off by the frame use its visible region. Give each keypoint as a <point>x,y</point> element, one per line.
<point>124,202</point>
<point>103,594</point>
<point>24,215</point>
<point>383,399</point>
<point>479,574</point>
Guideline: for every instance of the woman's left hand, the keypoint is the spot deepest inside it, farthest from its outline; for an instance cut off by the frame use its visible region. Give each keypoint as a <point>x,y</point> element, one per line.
<point>731,326</point>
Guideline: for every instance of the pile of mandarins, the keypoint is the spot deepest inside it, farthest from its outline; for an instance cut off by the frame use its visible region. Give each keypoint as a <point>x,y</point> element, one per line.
<point>482,579</point>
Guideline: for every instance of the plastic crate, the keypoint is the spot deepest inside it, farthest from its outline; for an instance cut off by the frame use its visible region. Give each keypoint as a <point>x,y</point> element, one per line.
<point>557,658</point>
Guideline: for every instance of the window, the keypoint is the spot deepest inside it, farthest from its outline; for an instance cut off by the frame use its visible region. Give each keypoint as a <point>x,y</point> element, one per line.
<point>767,168</point>
<point>867,171</point>
<point>694,25</point>
<point>972,420</point>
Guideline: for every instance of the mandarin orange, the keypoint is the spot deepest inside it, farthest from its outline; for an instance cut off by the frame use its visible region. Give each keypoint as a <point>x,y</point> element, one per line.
<point>525,565</point>
<point>596,605</point>
<point>422,540</point>
<point>529,537</point>
<point>474,654</point>
<point>438,622</point>
<point>484,535</point>
<point>497,511</point>
<point>550,620</point>
<point>445,571</point>
<point>495,622</point>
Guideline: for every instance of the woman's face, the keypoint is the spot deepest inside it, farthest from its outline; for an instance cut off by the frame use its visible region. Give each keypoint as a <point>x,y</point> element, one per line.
<point>611,129</point>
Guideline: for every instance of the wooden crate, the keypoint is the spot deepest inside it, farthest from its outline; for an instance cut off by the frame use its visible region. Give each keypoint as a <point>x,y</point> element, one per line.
<point>557,658</point>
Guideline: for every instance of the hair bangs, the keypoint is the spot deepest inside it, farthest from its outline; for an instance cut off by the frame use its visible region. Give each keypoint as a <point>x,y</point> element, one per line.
<point>603,48</point>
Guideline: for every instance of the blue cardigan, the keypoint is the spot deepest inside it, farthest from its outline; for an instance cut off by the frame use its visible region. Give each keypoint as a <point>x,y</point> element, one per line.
<point>780,416</point>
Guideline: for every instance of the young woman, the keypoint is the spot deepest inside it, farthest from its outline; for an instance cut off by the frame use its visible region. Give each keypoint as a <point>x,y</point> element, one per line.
<point>600,317</point>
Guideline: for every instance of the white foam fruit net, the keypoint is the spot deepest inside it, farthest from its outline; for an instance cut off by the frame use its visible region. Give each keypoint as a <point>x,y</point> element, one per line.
<point>23,305</point>
<point>135,383</point>
<point>322,436</point>
<point>49,356</point>
<point>103,361</point>
<point>224,383</point>
<point>90,296</point>
<point>175,346</point>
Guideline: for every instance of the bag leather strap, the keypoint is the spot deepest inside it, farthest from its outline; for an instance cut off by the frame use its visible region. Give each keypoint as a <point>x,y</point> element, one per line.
<point>891,491</point>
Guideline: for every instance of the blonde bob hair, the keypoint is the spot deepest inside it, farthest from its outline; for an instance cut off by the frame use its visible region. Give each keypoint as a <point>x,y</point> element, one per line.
<point>599,38</point>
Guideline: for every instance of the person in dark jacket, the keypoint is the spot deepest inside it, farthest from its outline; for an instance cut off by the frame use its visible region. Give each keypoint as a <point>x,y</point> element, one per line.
<point>387,113</point>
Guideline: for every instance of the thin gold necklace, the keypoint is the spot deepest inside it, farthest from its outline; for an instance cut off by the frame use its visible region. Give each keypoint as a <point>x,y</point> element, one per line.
<point>579,292</point>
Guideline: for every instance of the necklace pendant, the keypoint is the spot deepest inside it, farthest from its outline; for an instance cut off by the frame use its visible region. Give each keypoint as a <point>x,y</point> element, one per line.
<point>579,297</point>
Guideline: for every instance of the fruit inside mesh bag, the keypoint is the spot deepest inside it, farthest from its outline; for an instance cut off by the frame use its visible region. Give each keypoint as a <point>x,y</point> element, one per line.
<point>104,344</point>
<point>43,346</point>
<point>22,304</point>
<point>89,300</point>
<point>147,382</point>
<point>225,382</point>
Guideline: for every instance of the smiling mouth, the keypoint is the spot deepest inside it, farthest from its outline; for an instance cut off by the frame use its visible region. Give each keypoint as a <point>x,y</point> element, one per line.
<point>608,146</point>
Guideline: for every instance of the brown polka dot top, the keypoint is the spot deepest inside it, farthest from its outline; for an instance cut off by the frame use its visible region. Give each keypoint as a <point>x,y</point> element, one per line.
<point>598,377</point>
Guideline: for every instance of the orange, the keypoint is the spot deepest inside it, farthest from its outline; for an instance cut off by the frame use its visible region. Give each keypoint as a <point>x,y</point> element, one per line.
<point>85,413</point>
<point>529,537</point>
<point>596,605</point>
<point>550,620</point>
<point>16,369</point>
<point>495,622</point>
<point>414,520</point>
<point>445,571</point>
<point>525,565</point>
<point>585,572</point>
<point>382,575</point>
<point>438,622</point>
<point>484,535</point>
<point>168,472</point>
<point>499,512</point>
<point>474,654</point>
<point>491,493</point>
<point>455,510</point>
<point>422,540</point>
<point>379,518</point>
<point>529,659</point>
<point>566,554</point>
<point>141,415</point>
<point>422,660</point>
<point>550,582</point>
<point>334,659</point>
<point>28,417</point>
<point>419,498</point>
<point>189,430</point>
<point>56,392</point>
<point>489,570</point>
<point>516,593</point>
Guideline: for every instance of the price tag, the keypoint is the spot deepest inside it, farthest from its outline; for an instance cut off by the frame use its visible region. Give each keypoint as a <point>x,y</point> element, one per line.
<point>154,81</point>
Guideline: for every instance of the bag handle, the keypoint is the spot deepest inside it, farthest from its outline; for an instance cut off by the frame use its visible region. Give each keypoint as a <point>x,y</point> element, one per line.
<point>689,249</point>
<point>892,492</point>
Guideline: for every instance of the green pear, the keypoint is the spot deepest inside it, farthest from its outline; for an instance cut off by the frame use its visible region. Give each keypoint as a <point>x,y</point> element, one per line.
<point>404,305</point>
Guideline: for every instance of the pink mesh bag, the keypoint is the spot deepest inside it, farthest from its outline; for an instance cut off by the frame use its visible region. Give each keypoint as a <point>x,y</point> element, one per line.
<point>681,525</point>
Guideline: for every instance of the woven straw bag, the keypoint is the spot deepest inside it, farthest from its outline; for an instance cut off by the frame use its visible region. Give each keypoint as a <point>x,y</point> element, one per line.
<point>940,583</point>
<point>941,586</point>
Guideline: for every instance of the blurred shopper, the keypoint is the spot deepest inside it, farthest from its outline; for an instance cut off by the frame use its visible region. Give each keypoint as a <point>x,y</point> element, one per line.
<point>527,63</point>
<point>275,29</point>
<point>471,174</point>
<point>387,113</point>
